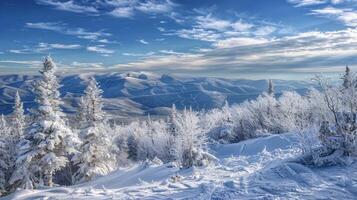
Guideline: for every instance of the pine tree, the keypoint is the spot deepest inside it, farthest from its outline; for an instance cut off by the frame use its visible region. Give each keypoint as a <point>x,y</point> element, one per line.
<point>347,78</point>
<point>18,119</point>
<point>96,153</point>
<point>270,88</point>
<point>48,142</point>
<point>4,154</point>
<point>81,119</point>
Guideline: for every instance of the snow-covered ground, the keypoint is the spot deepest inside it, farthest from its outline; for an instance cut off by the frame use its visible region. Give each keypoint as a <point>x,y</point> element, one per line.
<point>261,168</point>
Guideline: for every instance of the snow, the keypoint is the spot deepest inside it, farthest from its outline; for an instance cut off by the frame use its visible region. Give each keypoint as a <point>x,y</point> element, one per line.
<point>261,168</point>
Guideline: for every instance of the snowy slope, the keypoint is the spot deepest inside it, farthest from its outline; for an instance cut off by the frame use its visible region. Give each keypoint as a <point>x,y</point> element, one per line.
<point>261,168</point>
<point>139,93</point>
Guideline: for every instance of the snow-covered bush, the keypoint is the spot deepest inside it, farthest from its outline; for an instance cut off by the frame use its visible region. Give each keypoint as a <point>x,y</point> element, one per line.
<point>338,131</point>
<point>188,139</point>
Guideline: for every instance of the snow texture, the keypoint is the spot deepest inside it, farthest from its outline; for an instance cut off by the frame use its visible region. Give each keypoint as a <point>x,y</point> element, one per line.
<point>261,168</point>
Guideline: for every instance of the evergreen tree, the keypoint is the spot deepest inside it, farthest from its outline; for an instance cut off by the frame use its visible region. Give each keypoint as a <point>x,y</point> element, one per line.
<point>4,154</point>
<point>18,119</point>
<point>270,88</point>
<point>347,79</point>
<point>96,150</point>
<point>81,119</point>
<point>48,142</point>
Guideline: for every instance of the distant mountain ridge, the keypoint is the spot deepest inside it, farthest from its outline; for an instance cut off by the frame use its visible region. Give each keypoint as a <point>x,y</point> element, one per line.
<point>142,93</point>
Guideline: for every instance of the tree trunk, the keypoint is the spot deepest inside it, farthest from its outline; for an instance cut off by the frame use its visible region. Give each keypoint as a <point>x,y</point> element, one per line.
<point>48,179</point>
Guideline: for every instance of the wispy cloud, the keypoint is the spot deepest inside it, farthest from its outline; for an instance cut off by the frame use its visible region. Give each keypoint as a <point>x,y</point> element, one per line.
<point>155,6</point>
<point>301,3</point>
<point>58,46</point>
<point>142,41</point>
<point>64,29</point>
<point>115,8</point>
<point>44,47</point>
<point>122,12</point>
<point>347,16</point>
<point>24,62</point>
<point>100,49</point>
<point>301,53</point>
<point>96,65</point>
<point>223,33</point>
<point>69,5</point>
<point>139,54</point>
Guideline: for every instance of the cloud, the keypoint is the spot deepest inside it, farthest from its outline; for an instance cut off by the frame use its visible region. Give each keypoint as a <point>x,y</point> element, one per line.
<point>243,41</point>
<point>301,3</point>
<point>87,65</point>
<point>209,22</point>
<point>43,47</point>
<point>115,8</point>
<point>100,49</point>
<point>307,52</point>
<point>346,16</point>
<point>69,5</point>
<point>265,30</point>
<point>23,62</point>
<point>122,12</point>
<point>20,51</point>
<point>58,46</point>
<point>51,26</point>
<point>225,33</point>
<point>63,29</point>
<point>143,41</point>
<point>139,54</point>
<point>241,26</point>
<point>154,6</point>
<point>171,52</point>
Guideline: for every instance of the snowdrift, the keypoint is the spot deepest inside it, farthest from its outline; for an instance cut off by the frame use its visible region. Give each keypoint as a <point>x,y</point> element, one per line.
<point>261,168</point>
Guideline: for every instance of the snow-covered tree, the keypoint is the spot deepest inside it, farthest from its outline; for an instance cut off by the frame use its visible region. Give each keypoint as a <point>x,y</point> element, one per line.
<point>189,139</point>
<point>81,116</point>
<point>347,79</point>
<point>18,118</point>
<point>96,156</point>
<point>270,90</point>
<point>48,140</point>
<point>5,157</point>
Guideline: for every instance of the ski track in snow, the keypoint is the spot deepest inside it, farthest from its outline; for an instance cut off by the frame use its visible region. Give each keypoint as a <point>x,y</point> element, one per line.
<point>261,168</point>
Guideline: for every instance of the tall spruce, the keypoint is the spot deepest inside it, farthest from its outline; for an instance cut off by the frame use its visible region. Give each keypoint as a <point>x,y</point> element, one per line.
<point>18,118</point>
<point>96,153</point>
<point>347,79</point>
<point>4,154</point>
<point>48,142</point>
<point>270,88</point>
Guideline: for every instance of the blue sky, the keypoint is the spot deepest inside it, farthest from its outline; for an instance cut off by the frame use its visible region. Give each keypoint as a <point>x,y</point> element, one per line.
<point>286,39</point>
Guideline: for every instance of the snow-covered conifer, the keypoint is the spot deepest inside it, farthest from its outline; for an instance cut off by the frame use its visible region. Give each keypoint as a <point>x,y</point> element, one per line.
<point>18,118</point>
<point>95,156</point>
<point>5,157</point>
<point>48,141</point>
<point>347,78</point>
<point>270,88</point>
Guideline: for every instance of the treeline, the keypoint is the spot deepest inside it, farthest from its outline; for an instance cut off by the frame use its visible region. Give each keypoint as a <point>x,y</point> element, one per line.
<point>45,148</point>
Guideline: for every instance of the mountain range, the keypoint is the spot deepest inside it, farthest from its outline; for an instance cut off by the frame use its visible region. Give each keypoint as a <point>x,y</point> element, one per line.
<point>135,94</point>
